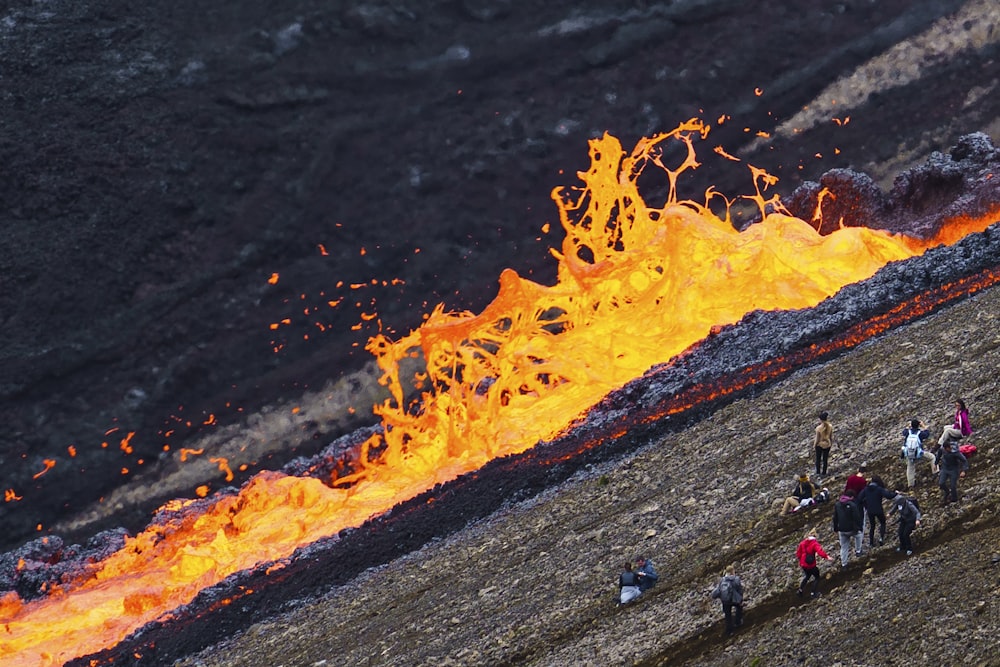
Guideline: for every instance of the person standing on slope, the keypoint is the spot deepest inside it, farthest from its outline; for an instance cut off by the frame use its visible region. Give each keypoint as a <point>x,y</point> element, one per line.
<point>913,451</point>
<point>730,592</point>
<point>823,442</point>
<point>808,552</point>
<point>953,465</point>
<point>909,519</point>
<point>856,483</point>
<point>871,501</point>
<point>847,524</point>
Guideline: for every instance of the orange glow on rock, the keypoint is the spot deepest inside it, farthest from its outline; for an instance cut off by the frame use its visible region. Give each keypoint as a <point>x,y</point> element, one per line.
<point>638,283</point>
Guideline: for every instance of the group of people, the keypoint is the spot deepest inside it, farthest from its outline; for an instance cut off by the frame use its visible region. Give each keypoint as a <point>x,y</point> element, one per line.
<point>859,508</point>
<point>947,460</point>
<point>636,580</point>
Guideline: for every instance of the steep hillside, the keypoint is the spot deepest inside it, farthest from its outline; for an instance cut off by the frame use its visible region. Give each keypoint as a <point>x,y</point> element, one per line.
<point>535,584</point>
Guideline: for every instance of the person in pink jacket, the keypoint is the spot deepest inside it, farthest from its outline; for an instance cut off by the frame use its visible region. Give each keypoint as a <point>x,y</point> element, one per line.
<point>809,552</point>
<point>960,428</point>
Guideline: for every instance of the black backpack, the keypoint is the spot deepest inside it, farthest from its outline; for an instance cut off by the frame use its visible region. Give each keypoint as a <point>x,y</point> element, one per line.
<point>846,519</point>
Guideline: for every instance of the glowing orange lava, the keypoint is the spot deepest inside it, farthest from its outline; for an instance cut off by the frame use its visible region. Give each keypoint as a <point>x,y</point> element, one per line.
<point>637,284</point>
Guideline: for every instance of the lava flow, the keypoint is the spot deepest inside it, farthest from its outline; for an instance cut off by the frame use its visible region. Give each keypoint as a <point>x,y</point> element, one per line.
<point>638,283</point>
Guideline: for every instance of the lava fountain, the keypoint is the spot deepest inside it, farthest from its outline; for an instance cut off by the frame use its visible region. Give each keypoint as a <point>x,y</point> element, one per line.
<point>639,283</point>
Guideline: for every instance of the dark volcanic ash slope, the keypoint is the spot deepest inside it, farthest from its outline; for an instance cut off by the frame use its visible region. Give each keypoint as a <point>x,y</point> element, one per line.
<point>162,161</point>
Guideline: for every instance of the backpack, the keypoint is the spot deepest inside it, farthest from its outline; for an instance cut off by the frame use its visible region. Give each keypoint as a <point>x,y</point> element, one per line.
<point>912,447</point>
<point>726,590</point>
<point>846,522</point>
<point>912,502</point>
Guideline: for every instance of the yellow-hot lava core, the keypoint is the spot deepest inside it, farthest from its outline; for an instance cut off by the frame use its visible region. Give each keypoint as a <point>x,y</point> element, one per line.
<point>637,284</point>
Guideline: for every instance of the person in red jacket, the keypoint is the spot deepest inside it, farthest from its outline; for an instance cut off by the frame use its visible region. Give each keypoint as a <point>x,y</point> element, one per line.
<point>808,552</point>
<point>857,481</point>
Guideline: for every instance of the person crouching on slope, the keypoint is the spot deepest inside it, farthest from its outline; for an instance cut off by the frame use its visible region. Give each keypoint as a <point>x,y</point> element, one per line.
<point>628,585</point>
<point>646,573</point>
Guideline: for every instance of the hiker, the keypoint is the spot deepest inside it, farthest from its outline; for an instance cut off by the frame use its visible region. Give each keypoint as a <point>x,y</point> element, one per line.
<point>857,483</point>
<point>628,585</point>
<point>871,500</point>
<point>913,450</point>
<point>807,551</point>
<point>953,465</point>
<point>730,592</point>
<point>960,427</point>
<point>646,572</point>
<point>804,490</point>
<point>822,442</point>
<point>909,518</point>
<point>847,524</point>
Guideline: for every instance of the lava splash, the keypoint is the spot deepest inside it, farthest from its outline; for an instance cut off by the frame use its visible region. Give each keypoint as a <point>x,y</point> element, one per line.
<point>638,284</point>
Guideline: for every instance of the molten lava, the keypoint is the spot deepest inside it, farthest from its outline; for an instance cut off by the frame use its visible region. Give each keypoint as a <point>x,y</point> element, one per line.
<point>638,283</point>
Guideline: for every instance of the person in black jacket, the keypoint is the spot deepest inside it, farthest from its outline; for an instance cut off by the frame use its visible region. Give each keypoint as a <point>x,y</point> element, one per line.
<point>628,585</point>
<point>871,501</point>
<point>953,464</point>
<point>847,522</point>
<point>909,518</point>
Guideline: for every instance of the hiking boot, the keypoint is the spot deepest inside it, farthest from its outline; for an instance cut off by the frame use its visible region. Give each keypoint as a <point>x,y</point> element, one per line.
<point>909,553</point>
<point>799,592</point>
<point>857,552</point>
